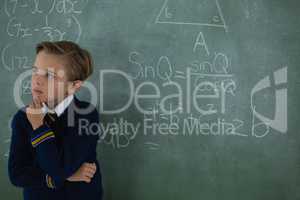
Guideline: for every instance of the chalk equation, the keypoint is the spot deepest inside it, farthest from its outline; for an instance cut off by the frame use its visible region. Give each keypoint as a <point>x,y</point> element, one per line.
<point>53,21</point>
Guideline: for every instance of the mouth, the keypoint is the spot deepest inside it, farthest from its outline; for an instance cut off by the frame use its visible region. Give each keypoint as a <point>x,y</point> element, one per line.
<point>36,91</point>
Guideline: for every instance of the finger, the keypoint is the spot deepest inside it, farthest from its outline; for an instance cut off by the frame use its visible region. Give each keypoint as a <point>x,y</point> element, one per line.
<point>30,109</point>
<point>89,170</point>
<point>38,102</point>
<point>41,99</point>
<point>89,174</point>
<point>37,105</point>
<point>92,169</point>
<point>91,165</point>
<point>33,102</point>
<point>86,179</point>
<point>31,105</point>
<point>72,179</point>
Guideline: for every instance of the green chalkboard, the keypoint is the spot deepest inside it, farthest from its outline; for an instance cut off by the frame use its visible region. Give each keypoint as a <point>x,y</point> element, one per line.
<point>198,99</point>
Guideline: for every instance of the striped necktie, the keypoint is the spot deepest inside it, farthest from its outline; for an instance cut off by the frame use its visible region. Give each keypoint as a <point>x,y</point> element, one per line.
<point>50,119</point>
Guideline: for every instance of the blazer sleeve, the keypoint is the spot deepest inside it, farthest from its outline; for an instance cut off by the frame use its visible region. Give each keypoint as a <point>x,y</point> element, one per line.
<point>43,140</point>
<point>21,169</point>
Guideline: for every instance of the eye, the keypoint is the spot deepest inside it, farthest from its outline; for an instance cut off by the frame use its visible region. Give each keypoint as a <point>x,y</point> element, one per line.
<point>34,70</point>
<point>50,75</point>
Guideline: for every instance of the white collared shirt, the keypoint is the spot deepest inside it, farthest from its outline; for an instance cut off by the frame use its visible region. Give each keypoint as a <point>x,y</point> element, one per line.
<point>60,108</point>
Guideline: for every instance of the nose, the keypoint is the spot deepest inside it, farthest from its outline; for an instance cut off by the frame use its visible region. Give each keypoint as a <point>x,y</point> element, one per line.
<point>37,80</point>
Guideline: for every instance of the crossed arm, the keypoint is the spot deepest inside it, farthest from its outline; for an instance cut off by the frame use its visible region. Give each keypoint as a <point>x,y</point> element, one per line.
<point>50,173</point>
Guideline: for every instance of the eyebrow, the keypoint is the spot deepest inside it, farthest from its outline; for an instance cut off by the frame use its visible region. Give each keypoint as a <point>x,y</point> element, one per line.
<point>49,72</point>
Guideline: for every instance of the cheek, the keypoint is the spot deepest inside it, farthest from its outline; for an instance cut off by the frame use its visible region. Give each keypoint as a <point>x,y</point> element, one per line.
<point>60,89</point>
<point>34,81</point>
<point>50,87</point>
<point>55,90</point>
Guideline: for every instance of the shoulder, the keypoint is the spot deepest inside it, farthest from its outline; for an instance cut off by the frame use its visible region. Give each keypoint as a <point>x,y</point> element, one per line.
<point>19,117</point>
<point>86,120</point>
<point>85,109</point>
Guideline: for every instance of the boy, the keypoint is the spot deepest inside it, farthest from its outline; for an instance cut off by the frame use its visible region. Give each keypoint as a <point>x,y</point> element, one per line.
<point>50,156</point>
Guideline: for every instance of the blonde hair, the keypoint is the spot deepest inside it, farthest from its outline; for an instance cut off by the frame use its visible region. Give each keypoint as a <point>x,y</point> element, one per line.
<point>79,61</point>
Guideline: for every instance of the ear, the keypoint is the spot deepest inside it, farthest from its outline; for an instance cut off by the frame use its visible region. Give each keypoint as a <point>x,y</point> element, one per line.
<point>75,86</point>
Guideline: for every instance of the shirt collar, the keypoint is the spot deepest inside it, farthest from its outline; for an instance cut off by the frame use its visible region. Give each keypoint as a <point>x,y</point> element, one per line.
<point>59,108</point>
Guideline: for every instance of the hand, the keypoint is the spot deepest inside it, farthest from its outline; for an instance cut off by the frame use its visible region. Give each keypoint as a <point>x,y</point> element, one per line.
<point>34,113</point>
<point>84,173</point>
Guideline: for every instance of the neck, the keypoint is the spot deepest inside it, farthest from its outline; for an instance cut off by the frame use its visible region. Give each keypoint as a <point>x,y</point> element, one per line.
<point>52,104</point>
